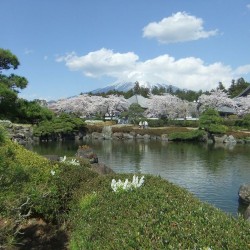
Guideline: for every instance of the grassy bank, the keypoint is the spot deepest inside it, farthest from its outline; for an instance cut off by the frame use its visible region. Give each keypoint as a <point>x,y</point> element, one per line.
<point>158,215</point>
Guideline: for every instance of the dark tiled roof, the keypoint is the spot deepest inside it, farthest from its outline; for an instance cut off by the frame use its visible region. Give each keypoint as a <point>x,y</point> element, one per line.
<point>244,93</point>
<point>142,101</point>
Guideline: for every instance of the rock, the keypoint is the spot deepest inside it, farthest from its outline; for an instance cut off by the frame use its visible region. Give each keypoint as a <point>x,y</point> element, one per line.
<point>230,139</point>
<point>138,136</point>
<point>247,214</point>
<point>87,153</point>
<point>117,135</point>
<point>107,132</point>
<point>128,136</point>
<point>244,194</point>
<point>146,137</point>
<point>96,135</point>
<point>164,137</point>
<point>52,157</point>
<point>101,168</point>
<point>220,139</point>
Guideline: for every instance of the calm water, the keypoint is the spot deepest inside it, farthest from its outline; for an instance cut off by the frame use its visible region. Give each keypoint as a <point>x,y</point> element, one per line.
<point>213,173</point>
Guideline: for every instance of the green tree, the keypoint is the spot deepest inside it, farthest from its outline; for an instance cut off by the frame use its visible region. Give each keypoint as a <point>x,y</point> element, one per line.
<point>221,86</point>
<point>63,126</point>
<point>135,112</point>
<point>32,112</point>
<point>237,87</point>
<point>211,121</point>
<point>8,60</point>
<point>10,85</point>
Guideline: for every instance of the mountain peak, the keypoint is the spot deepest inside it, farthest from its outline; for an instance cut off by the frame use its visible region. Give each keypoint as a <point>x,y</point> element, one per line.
<point>126,86</point>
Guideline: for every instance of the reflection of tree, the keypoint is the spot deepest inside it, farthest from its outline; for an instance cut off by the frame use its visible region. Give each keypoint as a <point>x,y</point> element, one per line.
<point>134,151</point>
<point>214,156</point>
<point>62,148</point>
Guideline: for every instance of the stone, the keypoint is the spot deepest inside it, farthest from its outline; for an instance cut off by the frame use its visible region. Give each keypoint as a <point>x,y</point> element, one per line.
<point>220,139</point>
<point>52,157</point>
<point>164,137</point>
<point>138,136</point>
<point>107,132</point>
<point>101,168</point>
<point>146,137</point>
<point>244,194</point>
<point>230,139</point>
<point>117,135</point>
<point>128,136</point>
<point>96,135</point>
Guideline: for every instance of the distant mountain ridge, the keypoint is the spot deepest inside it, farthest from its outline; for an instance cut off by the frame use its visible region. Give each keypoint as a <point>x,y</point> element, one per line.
<point>126,86</point>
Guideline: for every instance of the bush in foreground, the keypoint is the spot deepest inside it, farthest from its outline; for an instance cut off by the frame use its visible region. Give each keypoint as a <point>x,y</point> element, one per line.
<point>32,186</point>
<point>158,215</point>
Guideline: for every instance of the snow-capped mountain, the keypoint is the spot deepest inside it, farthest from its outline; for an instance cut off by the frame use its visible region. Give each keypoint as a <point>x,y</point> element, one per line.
<point>126,86</point>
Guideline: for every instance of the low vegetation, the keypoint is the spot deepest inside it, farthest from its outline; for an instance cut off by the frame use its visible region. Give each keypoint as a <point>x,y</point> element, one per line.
<point>156,215</point>
<point>63,126</point>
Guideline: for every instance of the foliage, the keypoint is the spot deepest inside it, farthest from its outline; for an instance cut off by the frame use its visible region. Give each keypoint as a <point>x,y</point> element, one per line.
<point>135,113</point>
<point>237,87</point>
<point>33,186</point>
<point>211,121</point>
<point>3,134</point>
<point>194,135</point>
<point>30,112</point>
<point>63,125</point>
<point>244,122</point>
<point>10,84</point>
<point>156,123</point>
<point>159,215</point>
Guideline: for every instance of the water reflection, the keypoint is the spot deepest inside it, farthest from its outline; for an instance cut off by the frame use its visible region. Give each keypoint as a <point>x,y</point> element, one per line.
<point>212,173</point>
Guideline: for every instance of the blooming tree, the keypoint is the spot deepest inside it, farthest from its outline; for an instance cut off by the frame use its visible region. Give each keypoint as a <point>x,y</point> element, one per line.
<point>242,105</point>
<point>216,99</point>
<point>86,105</point>
<point>166,106</point>
<point>114,104</point>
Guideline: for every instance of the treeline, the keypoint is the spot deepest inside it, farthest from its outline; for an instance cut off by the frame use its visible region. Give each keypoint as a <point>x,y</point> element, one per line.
<point>236,87</point>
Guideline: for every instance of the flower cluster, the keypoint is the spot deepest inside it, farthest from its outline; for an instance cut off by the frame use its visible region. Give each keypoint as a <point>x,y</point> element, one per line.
<point>72,162</point>
<point>127,185</point>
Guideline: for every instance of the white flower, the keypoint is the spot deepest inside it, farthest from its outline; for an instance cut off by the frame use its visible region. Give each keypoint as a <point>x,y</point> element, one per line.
<point>52,172</point>
<point>127,185</point>
<point>63,159</point>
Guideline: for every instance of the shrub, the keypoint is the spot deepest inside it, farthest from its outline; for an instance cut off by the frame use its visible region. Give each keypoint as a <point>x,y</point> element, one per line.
<point>156,123</point>
<point>63,125</point>
<point>32,185</point>
<point>3,134</point>
<point>158,215</point>
<point>194,135</point>
<point>211,121</point>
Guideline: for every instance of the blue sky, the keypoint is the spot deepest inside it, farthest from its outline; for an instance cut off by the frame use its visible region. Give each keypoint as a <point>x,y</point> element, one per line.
<point>66,47</point>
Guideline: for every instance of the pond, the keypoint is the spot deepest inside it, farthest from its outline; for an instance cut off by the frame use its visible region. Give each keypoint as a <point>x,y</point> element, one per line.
<point>213,173</point>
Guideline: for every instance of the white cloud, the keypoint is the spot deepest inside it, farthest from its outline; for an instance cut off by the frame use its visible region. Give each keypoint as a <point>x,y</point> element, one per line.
<point>179,27</point>
<point>190,72</point>
<point>242,70</point>
<point>101,62</point>
<point>45,58</point>
<point>248,6</point>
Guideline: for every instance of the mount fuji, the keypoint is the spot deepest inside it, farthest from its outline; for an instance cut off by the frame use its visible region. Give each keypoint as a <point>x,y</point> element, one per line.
<point>126,86</point>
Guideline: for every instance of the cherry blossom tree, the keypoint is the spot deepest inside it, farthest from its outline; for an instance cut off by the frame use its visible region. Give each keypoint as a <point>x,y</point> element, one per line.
<point>217,99</point>
<point>242,105</point>
<point>166,105</point>
<point>86,105</point>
